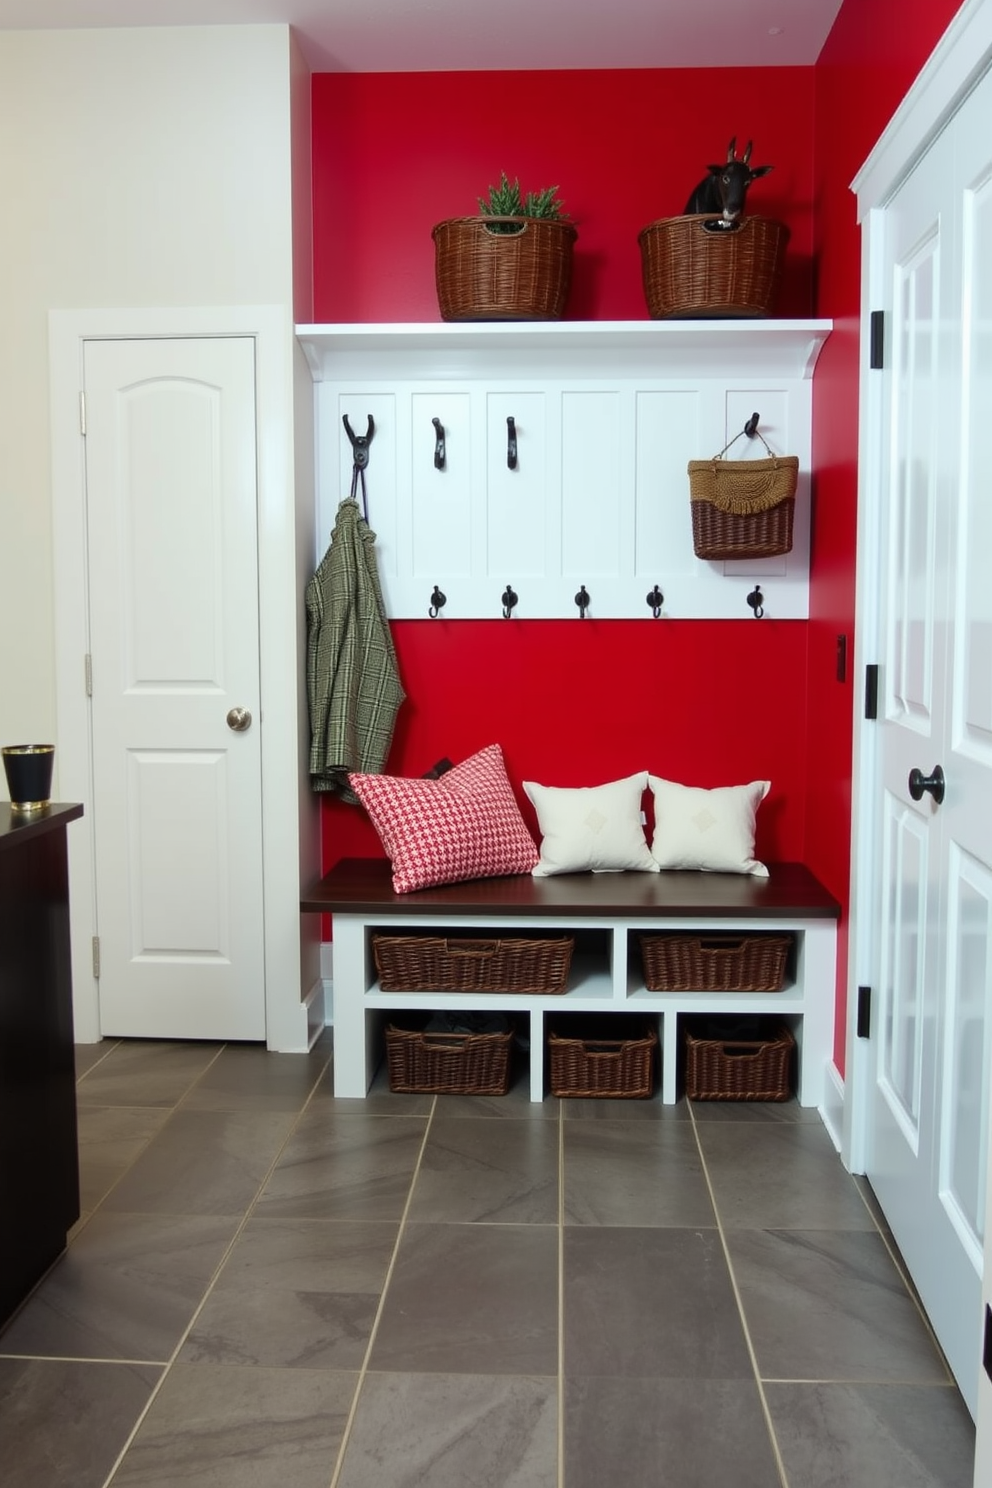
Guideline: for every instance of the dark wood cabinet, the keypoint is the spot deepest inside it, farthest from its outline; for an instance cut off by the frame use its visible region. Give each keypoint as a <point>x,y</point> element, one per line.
<point>39,1165</point>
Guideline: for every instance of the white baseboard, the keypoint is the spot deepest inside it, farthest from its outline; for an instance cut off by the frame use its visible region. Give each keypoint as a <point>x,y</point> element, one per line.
<point>832,1109</point>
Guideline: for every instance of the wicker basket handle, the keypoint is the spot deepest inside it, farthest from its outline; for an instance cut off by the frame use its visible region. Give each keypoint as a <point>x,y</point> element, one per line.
<point>479,950</point>
<point>712,946</point>
<point>521,224</point>
<point>447,1043</point>
<point>768,450</point>
<point>740,1051</point>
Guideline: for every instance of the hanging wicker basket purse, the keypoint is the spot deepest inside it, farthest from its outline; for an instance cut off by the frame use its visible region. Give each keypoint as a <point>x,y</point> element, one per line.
<point>694,267</point>
<point>483,273</point>
<point>743,508</point>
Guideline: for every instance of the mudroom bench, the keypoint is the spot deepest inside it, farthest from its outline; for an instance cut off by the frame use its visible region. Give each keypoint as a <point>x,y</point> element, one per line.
<point>607,913</point>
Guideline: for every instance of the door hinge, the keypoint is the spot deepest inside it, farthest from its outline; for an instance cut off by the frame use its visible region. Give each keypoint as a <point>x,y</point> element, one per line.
<point>96,957</point>
<point>871,690</point>
<point>82,413</point>
<point>864,1012</point>
<point>88,673</point>
<point>987,1345</point>
<point>876,340</point>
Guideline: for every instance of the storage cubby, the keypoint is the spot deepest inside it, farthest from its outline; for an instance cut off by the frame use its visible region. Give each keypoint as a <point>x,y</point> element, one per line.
<point>606,914</point>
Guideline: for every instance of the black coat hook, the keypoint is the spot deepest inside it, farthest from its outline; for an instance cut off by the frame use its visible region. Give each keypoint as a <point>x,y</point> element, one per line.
<point>582,600</point>
<point>757,602</point>
<point>511,443</point>
<point>656,599</point>
<point>751,427</point>
<point>438,602</point>
<point>438,444</point>
<point>509,600</point>
<point>359,442</point>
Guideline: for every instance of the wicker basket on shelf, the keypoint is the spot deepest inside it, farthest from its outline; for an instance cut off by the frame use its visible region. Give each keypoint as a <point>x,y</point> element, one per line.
<point>694,268</point>
<point>739,1069</point>
<point>504,964</point>
<point>448,1063</point>
<point>720,961</point>
<point>482,274</point>
<point>603,1065</point>
<point>743,508</point>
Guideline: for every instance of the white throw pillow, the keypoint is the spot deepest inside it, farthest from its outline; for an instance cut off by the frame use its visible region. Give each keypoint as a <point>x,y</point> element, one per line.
<point>594,827</point>
<point>708,829</point>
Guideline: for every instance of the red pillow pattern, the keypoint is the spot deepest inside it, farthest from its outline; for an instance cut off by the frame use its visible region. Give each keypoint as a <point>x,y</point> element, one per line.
<point>465,824</point>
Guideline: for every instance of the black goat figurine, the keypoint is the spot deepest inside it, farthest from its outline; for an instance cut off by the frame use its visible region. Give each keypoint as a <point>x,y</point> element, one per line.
<point>723,190</point>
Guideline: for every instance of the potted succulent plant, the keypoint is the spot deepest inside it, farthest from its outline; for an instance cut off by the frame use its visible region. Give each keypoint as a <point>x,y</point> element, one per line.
<point>512,262</point>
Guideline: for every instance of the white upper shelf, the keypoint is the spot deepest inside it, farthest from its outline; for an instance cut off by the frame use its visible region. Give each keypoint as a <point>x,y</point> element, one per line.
<point>682,349</point>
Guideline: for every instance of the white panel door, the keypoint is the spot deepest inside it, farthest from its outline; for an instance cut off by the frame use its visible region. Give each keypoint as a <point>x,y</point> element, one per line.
<point>173,612</point>
<point>928,1141</point>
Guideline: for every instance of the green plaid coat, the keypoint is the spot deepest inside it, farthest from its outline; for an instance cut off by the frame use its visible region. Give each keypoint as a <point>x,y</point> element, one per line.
<point>353,683</point>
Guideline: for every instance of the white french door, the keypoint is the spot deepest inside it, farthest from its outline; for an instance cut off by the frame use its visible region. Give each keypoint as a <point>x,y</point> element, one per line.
<point>928,1132</point>
<point>170,454</point>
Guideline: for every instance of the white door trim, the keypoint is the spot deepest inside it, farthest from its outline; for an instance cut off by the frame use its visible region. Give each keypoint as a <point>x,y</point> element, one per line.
<point>289,815</point>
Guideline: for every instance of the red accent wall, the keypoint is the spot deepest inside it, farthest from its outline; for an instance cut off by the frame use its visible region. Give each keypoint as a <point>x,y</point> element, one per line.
<point>583,702</point>
<point>394,153</point>
<point>571,702</point>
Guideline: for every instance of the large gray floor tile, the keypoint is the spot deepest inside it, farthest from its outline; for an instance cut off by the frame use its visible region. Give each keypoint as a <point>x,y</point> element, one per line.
<point>380,1100</point>
<point>111,1138</point>
<point>829,1305</point>
<point>283,1330</point>
<point>63,1423</point>
<point>471,1299</point>
<point>516,1103</point>
<point>873,1436</point>
<point>783,1176</point>
<point>500,1173</point>
<point>203,1162</point>
<point>595,1108</point>
<point>126,1288</point>
<point>216,1427</point>
<point>750,1113</point>
<point>137,1072</point>
<point>676,1433</point>
<point>249,1077</point>
<point>295,1294</point>
<point>453,1431</point>
<point>88,1055</point>
<point>345,1167</point>
<point>634,1173</point>
<point>650,1303</point>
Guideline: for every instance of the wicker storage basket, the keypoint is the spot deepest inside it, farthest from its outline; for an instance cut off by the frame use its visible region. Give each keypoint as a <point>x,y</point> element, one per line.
<point>693,270</point>
<point>424,963</point>
<point>603,1067</point>
<point>486,275</point>
<point>719,962</point>
<point>734,1069</point>
<point>448,1063</point>
<point>743,508</point>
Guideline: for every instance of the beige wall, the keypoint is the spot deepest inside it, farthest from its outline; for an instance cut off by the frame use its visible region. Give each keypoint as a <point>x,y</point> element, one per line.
<point>138,168</point>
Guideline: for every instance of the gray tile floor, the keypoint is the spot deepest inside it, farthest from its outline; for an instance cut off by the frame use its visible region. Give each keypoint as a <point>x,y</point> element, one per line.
<point>270,1286</point>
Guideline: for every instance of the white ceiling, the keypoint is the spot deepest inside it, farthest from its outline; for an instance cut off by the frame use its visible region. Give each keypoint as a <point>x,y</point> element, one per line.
<point>455,35</point>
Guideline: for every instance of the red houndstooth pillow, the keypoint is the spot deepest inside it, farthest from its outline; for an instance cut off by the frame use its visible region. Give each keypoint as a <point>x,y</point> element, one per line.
<point>466,824</point>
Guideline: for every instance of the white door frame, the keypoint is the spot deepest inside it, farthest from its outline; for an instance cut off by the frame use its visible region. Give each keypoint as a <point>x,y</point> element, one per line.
<point>293,998</point>
<point>960,59</point>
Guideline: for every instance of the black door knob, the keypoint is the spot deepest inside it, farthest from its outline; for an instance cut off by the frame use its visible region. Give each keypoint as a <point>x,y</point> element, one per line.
<point>934,783</point>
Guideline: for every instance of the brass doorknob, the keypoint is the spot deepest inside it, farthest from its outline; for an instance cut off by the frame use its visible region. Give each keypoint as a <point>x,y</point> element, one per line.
<point>239,719</point>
